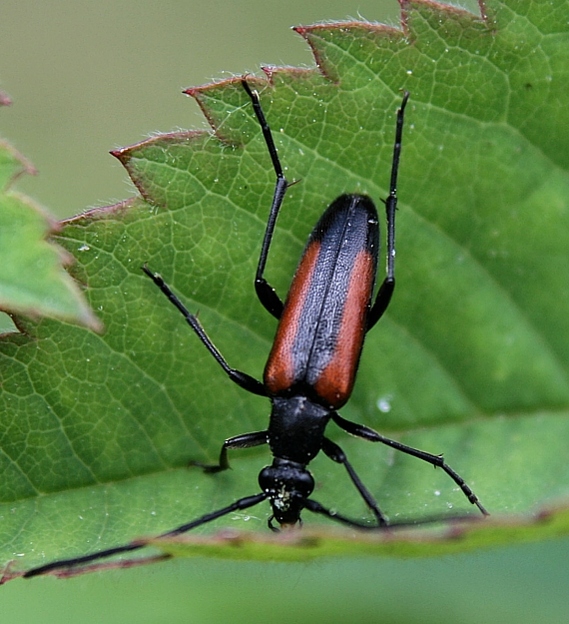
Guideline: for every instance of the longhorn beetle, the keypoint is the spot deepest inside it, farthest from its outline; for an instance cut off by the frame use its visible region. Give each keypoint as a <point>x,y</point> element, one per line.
<point>312,366</point>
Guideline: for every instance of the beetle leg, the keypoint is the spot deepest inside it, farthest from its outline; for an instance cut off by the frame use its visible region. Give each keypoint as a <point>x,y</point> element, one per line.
<point>383,296</point>
<point>335,453</point>
<point>316,507</point>
<point>361,431</point>
<point>241,379</point>
<point>245,440</point>
<point>265,292</point>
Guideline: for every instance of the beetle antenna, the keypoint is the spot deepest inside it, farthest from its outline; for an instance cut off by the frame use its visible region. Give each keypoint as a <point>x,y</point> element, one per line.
<point>63,564</point>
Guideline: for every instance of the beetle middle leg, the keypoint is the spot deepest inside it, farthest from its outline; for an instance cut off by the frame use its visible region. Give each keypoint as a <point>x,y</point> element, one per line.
<point>245,381</point>
<point>361,431</point>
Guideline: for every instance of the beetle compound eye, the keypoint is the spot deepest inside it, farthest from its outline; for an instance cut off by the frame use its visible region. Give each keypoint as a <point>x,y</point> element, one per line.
<point>304,483</point>
<point>267,480</point>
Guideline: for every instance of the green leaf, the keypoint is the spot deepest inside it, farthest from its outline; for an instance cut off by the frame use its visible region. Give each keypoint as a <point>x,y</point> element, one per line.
<point>472,358</point>
<point>32,280</point>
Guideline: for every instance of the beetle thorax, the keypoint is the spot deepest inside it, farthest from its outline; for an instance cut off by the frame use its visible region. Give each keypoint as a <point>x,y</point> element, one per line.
<point>296,428</point>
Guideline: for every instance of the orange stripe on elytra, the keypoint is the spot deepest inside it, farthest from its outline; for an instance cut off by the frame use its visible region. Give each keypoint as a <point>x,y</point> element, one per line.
<point>336,381</point>
<point>280,369</point>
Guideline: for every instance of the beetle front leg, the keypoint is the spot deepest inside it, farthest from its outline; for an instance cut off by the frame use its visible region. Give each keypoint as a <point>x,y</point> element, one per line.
<point>245,440</point>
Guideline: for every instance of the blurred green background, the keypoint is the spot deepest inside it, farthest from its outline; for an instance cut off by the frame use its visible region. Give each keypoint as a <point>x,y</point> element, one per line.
<point>87,77</point>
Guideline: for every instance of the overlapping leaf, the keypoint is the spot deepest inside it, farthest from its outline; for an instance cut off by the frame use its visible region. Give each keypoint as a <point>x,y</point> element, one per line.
<point>32,279</point>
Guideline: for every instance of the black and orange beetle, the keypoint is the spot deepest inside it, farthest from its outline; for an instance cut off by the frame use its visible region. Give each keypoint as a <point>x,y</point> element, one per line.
<point>312,366</point>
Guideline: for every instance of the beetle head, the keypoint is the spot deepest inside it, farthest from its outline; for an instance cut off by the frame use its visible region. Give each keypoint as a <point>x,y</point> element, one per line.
<point>288,485</point>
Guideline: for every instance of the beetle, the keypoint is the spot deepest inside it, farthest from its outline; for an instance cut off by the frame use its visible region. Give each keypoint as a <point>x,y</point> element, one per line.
<point>311,369</point>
